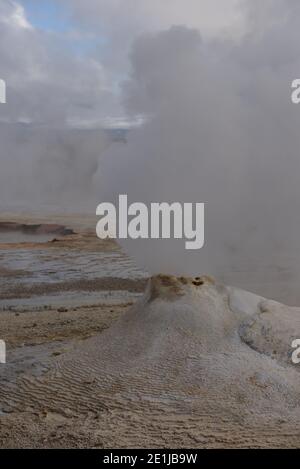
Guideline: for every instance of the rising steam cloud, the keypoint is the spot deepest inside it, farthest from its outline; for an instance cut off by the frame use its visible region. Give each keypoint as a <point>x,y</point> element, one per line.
<point>51,93</point>
<point>221,129</point>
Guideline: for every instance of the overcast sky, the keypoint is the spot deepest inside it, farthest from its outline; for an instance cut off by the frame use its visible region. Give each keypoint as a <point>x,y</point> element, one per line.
<point>65,63</point>
<point>64,60</point>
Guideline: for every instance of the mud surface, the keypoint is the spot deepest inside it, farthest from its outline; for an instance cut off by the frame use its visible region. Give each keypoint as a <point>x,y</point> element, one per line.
<point>57,288</point>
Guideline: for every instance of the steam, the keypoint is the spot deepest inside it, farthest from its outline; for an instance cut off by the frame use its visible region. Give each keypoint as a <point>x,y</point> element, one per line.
<point>221,129</point>
<point>47,168</point>
<point>219,126</point>
<point>51,92</point>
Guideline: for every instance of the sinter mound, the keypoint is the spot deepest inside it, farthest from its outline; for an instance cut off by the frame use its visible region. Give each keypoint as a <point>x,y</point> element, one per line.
<point>191,364</point>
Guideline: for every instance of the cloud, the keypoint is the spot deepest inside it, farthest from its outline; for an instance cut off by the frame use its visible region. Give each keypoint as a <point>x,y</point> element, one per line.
<point>13,14</point>
<point>53,85</point>
<point>117,18</point>
<point>121,22</point>
<point>50,90</point>
<point>46,81</point>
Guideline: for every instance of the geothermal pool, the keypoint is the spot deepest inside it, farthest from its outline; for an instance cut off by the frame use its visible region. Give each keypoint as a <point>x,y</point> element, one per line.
<point>42,275</point>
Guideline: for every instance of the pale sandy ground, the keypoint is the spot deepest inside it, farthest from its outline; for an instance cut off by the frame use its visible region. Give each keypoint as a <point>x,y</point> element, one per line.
<point>191,364</point>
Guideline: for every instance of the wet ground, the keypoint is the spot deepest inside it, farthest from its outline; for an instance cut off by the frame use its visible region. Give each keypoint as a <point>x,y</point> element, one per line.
<point>72,271</point>
<point>56,294</point>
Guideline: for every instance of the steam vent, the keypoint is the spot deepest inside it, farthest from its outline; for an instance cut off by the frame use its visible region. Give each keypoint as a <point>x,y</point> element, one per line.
<point>192,363</point>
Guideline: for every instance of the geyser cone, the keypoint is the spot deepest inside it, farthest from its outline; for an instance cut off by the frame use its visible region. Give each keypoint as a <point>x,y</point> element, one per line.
<point>191,355</point>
